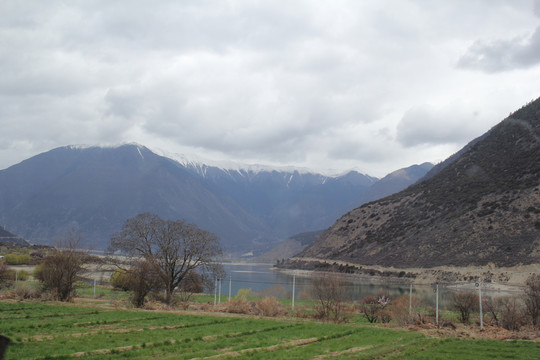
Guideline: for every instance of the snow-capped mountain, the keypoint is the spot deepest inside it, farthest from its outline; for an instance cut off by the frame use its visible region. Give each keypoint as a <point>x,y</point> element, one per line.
<point>93,190</point>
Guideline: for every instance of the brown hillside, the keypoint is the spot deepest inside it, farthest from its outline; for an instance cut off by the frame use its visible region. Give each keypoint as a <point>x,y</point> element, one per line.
<point>483,207</point>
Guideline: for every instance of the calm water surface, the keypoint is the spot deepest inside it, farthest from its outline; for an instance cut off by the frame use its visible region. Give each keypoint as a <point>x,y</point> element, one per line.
<point>272,282</point>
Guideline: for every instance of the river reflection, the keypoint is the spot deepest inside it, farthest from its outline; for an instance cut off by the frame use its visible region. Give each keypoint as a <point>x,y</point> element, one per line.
<point>268,281</point>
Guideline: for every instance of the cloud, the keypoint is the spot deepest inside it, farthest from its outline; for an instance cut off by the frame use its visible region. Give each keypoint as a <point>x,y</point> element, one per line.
<point>428,125</point>
<point>497,55</point>
<point>312,83</point>
<point>502,55</point>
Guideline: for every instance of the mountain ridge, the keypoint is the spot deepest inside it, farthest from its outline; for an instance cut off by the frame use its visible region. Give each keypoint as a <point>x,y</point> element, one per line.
<point>94,189</point>
<point>481,206</point>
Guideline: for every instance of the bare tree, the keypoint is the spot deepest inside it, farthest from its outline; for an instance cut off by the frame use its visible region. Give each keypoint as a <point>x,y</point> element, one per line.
<point>532,298</point>
<point>172,248</point>
<point>464,302</point>
<point>493,307</point>
<point>62,267</point>
<point>141,280</point>
<point>370,308</point>
<point>329,289</point>
<point>511,314</point>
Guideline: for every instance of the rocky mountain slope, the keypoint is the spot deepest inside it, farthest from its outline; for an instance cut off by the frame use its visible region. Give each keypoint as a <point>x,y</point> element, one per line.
<point>93,190</point>
<point>480,207</point>
<point>8,238</point>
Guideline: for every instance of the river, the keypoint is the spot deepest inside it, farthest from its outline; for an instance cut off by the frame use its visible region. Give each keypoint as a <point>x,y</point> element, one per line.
<point>265,280</point>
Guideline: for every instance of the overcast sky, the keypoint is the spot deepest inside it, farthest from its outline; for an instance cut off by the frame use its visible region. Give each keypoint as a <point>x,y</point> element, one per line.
<point>371,85</point>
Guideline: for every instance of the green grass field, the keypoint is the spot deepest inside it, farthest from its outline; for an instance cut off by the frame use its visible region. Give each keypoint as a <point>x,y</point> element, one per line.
<point>65,331</point>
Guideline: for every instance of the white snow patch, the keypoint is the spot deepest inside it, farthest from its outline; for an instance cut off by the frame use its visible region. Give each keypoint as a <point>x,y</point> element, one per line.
<point>140,153</point>
<point>201,164</point>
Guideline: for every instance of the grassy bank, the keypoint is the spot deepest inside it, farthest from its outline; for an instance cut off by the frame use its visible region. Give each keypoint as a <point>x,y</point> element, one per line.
<point>62,331</point>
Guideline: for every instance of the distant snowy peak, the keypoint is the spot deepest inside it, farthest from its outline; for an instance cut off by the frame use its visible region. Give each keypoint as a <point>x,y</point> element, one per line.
<point>202,165</point>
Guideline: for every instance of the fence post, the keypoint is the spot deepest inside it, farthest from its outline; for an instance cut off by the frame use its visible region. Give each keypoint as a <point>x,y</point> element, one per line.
<point>479,285</point>
<point>219,296</point>
<point>230,280</point>
<point>410,299</point>
<point>293,289</point>
<point>437,305</point>
<point>215,293</point>
<point>94,288</point>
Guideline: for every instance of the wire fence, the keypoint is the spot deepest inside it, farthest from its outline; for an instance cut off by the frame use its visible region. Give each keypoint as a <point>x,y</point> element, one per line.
<point>263,281</point>
<point>299,287</point>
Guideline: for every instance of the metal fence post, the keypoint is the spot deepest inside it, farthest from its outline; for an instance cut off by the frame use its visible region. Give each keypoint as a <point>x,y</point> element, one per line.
<point>293,289</point>
<point>410,299</point>
<point>219,296</point>
<point>437,305</point>
<point>215,293</point>
<point>479,284</point>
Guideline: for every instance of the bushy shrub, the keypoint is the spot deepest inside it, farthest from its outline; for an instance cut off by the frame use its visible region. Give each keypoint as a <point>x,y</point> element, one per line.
<point>464,302</point>
<point>239,306</point>
<point>141,280</point>
<point>385,316</point>
<point>120,280</point>
<point>328,289</point>
<point>7,276</point>
<point>17,259</point>
<point>22,275</point>
<point>370,308</point>
<point>60,270</point>
<point>243,293</point>
<point>192,283</point>
<point>25,292</point>
<point>399,309</point>
<point>511,314</point>
<point>277,291</point>
<point>270,306</point>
